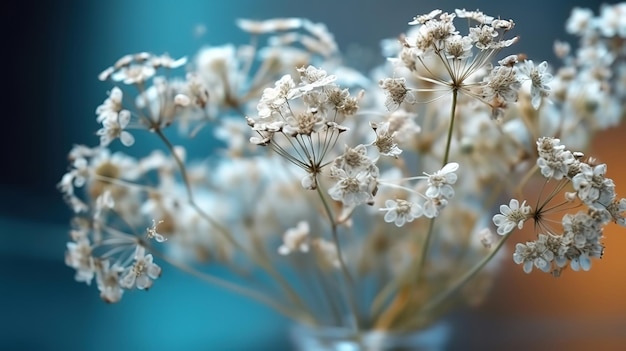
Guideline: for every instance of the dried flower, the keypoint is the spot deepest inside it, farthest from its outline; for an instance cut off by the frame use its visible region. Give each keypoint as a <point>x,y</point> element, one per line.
<point>278,201</point>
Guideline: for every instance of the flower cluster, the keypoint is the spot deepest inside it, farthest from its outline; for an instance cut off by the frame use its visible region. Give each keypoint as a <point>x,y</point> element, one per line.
<point>579,239</point>
<point>306,117</point>
<point>465,62</point>
<point>327,181</point>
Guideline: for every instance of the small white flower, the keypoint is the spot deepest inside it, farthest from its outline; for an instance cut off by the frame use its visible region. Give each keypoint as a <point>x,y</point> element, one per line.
<point>534,253</point>
<point>510,216</point>
<point>593,188</point>
<point>309,182</point>
<point>111,106</point>
<point>554,161</point>
<point>134,74</point>
<point>539,79</point>
<point>439,183</point>
<point>113,128</point>
<point>486,238</point>
<point>385,140</point>
<point>396,92</point>
<point>78,256</point>
<point>421,19</point>
<point>433,206</point>
<point>311,77</point>
<point>143,271</point>
<point>583,261</point>
<point>108,279</point>
<point>274,98</point>
<point>295,239</point>
<point>104,202</point>
<point>401,211</point>
<point>352,190</point>
<point>475,15</point>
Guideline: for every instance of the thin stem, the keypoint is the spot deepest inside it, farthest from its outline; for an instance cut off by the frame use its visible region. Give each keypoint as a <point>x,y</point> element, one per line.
<point>396,306</point>
<point>450,130</point>
<point>342,263</point>
<point>441,297</point>
<point>264,264</point>
<point>253,294</point>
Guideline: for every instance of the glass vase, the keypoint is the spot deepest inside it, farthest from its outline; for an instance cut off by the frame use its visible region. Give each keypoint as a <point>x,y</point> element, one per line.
<point>306,338</point>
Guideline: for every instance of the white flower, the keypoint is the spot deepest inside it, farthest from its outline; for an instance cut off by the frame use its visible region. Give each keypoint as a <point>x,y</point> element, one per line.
<point>539,79</point>
<point>104,202</point>
<point>439,183</point>
<point>273,98</point>
<point>617,209</point>
<point>143,271</point>
<point>353,160</point>
<point>512,215</point>
<point>421,19</point>
<point>458,47</point>
<point>108,279</point>
<point>138,73</point>
<point>475,15</point>
<point>295,239</point>
<point>111,106</point>
<point>581,261</point>
<point>534,253</point>
<point>311,77</point>
<point>385,140</point>
<point>401,211</point>
<point>167,62</point>
<point>78,256</point>
<point>433,206</point>
<point>305,123</point>
<point>352,190</point>
<point>593,188</point>
<point>486,238</point>
<point>269,26</point>
<point>579,21</point>
<point>309,182</point>
<point>113,127</point>
<point>553,161</point>
<point>396,92</point>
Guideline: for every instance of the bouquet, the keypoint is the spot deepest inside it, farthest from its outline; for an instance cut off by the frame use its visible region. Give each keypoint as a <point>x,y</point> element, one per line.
<point>366,201</point>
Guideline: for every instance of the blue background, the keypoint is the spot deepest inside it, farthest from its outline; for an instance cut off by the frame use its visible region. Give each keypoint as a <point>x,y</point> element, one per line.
<point>52,54</point>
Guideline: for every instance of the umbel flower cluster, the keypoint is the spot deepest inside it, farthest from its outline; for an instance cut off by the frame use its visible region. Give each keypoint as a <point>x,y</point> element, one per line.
<point>363,200</point>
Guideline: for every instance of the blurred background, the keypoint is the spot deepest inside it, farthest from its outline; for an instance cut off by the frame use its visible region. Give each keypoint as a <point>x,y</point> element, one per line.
<point>53,54</point>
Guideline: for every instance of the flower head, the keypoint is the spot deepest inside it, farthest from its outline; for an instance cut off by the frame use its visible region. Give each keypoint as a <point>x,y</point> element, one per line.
<point>401,211</point>
<point>440,182</point>
<point>511,216</point>
<point>143,271</point>
<point>539,79</point>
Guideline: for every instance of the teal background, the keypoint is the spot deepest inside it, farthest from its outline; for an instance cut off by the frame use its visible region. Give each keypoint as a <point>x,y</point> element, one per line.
<point>52,53</point>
